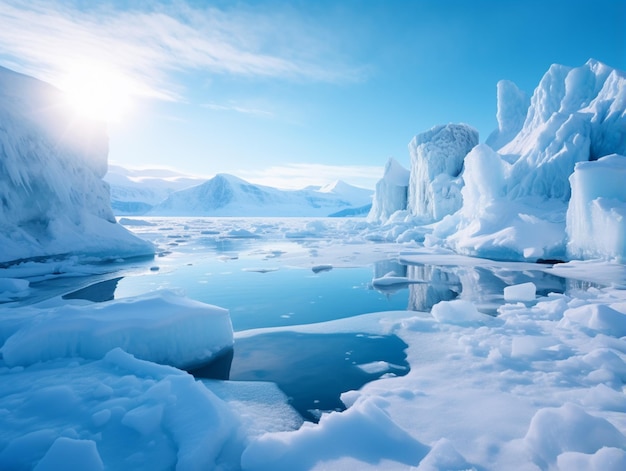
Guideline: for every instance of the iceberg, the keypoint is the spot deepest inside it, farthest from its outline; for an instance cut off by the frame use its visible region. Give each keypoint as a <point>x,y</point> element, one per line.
<point>53,200</point>
<point>436,164</point>
<point>515,200</point>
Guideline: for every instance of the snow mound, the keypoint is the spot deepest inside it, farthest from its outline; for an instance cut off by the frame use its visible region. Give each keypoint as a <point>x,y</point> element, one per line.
<point>161,327</point>
<point>436,162</point>
<point>54,200</point>
<point>521,292</point>
<point>391,192</point>
<point>596,215</point>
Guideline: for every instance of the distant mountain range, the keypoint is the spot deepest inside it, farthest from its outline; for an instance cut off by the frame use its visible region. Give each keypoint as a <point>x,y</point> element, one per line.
<point>167,193</point>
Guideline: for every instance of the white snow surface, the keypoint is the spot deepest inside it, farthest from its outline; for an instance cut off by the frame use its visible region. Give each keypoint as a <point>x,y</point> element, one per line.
<point>436,164</point>
<point>52,197</point>
<point>596,215</point>
<point>227,195</point>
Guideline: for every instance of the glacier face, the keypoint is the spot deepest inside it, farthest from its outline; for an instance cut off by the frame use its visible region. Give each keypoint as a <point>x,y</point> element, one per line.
<point>52,197</point>
<point>227,195</point>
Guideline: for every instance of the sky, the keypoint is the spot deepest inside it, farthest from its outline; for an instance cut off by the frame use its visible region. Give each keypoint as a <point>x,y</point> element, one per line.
<point>294,93</point>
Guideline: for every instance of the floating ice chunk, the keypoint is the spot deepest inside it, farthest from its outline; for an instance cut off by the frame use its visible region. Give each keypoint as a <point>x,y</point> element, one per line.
<point>321,268</point>
<point>596,215</point>
<point>161,327</point>
<point>13,288</point>
<point>71,455</point>
<point>260,269</point>
<point>521,292</point>
<point>457,311</point>
<point>597,317</point>
<point>134,222</point>
<point>240,234</point>
<point>376,367</point>
<point>569,428</point>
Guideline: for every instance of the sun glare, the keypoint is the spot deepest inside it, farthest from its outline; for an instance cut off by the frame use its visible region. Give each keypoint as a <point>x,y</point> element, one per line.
<point>97,92</point>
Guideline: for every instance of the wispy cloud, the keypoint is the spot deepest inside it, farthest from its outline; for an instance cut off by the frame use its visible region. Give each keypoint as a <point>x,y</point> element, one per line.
<point>153,44</point>
<point>300,175</point>
<point>238,109</point>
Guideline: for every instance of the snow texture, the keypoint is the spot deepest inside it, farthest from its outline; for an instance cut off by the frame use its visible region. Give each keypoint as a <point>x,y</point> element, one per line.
<point>436,164</point>
<point>391,192</point>
<point>52,197</point>
<point>596,215</point>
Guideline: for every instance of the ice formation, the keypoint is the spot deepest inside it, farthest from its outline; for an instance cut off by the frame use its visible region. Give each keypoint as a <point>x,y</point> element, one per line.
<point>596,215</point>
<point>514,200</point>
<point>161,327</point>
<point>513,106</point>
<point>391,192</point>
<point>436,164</point>
<point>53,199</point>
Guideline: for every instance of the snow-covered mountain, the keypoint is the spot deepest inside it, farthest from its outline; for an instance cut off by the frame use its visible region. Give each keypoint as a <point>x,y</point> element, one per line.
<point>53,198</point>
<point>227,195</point>
<point>135,192</point>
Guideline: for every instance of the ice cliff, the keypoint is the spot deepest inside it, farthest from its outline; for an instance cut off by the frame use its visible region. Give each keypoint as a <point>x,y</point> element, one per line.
<point>53,200</point>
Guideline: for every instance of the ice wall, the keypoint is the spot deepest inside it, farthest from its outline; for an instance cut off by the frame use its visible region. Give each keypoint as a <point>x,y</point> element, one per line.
<point>391,192</point>
<point>596,215</point>
<point>436,163</point>
<point>52,196</point>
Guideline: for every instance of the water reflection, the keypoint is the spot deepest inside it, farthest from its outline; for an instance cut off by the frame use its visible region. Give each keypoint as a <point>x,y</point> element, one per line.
<point>429,284</point>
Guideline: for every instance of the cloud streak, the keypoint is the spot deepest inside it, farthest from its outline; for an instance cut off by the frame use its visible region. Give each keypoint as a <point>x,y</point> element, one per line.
<point>154,44</point>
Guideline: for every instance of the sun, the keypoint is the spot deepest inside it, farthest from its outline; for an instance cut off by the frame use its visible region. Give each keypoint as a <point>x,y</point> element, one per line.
<point>97,92</point>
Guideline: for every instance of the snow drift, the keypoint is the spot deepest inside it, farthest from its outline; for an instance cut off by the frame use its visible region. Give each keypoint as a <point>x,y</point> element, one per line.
<point>52,196</point>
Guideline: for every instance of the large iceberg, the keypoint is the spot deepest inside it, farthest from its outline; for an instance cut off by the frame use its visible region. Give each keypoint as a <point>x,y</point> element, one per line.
<point>53,200</point>
<point>436,163</point>
<point>515,200</point>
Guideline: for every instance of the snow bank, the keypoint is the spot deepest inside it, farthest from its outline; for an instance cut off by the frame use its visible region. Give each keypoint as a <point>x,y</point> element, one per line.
<point>436,163</point>
<point>596,215</point>
<point>109,414</point>
<point>391,192</point>
<point>54,200</point>
<point>161,327</point>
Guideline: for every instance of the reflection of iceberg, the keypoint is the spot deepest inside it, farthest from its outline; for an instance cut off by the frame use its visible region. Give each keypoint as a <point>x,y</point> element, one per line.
<point>435,284</point>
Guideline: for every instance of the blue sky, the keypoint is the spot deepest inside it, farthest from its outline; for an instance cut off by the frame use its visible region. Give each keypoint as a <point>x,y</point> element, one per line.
<point>291,93</point>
